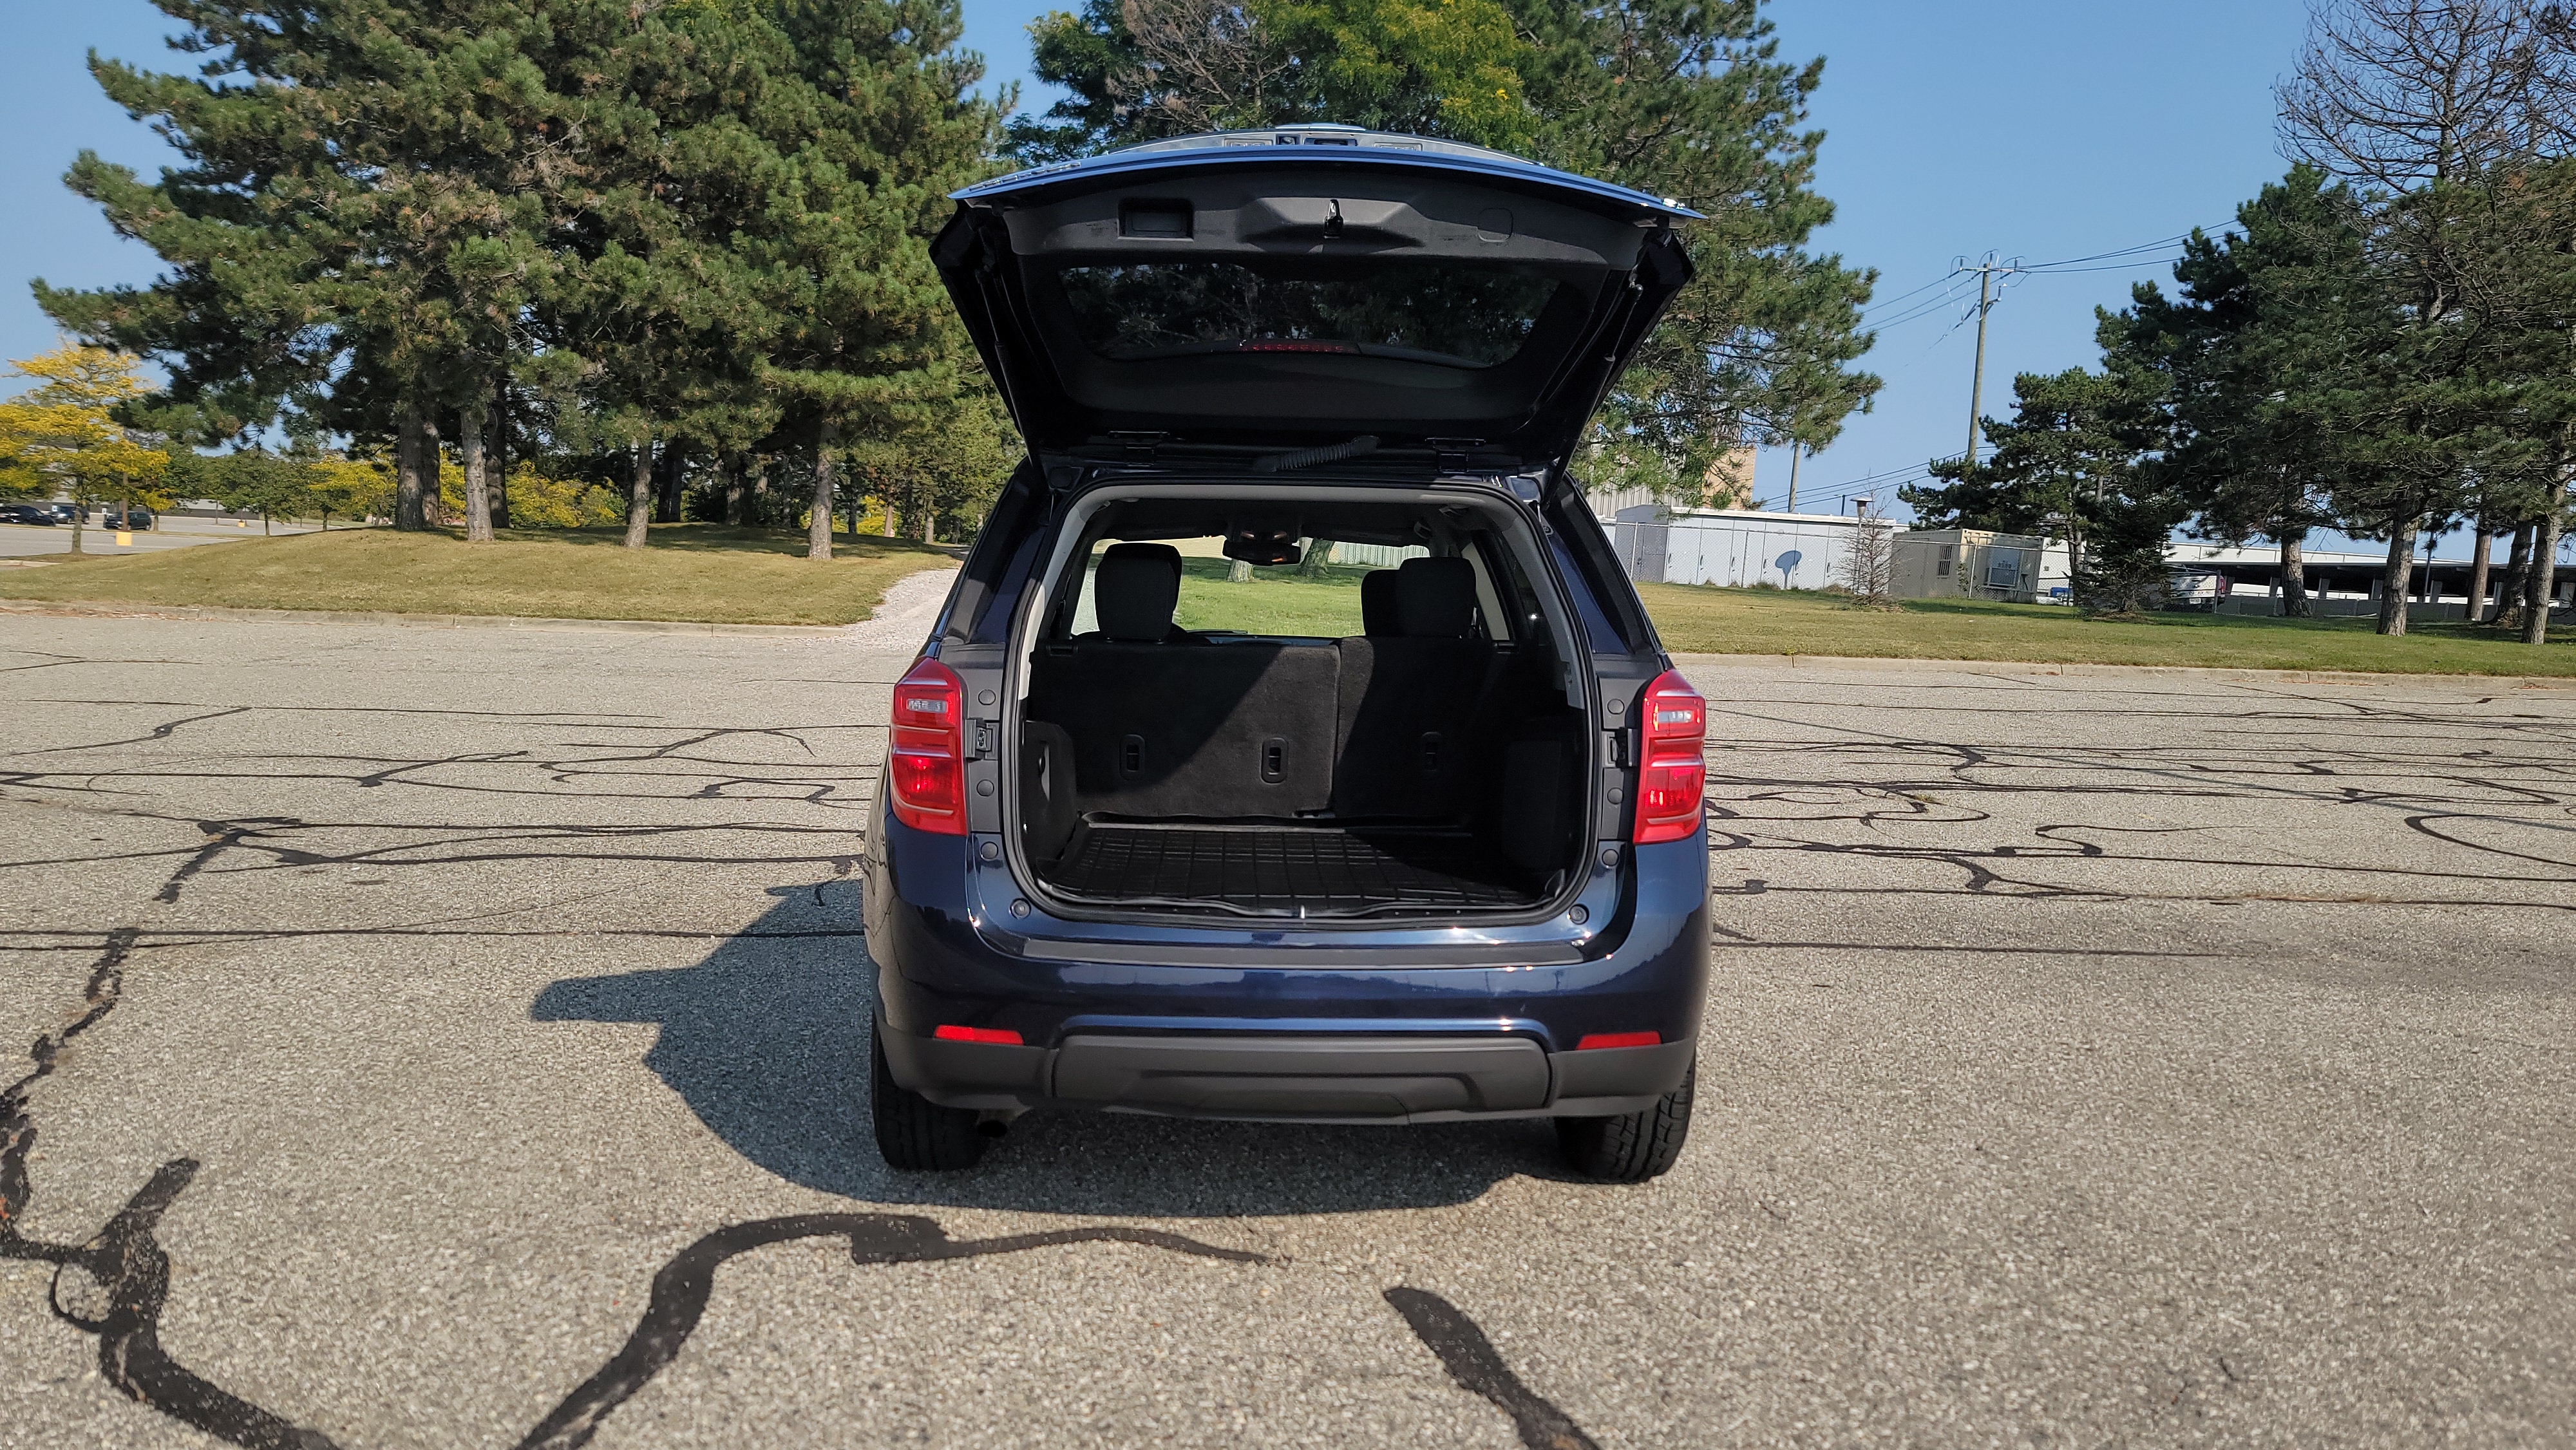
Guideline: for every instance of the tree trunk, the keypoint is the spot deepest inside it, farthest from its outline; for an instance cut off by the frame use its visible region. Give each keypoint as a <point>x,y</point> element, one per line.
<point>496,460</point>
<point>2481,549</point>
<point>2395,581</point>
<point>666,496</point>
<point>80,515</point>
<point>2544,577</point>
<point>470,422</point>
<point>2517,569</point>
<point>1319,553</point>
<point>818,523</point>
<point>888,501</point>
<point>639,496</point>
<point>929,523</point>
<point>735,498</point>
<point>2294,574</point>
<point>759,506</point>
<point>415,470</point>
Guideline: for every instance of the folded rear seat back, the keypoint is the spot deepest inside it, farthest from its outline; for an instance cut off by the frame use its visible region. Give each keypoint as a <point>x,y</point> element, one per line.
<point>1164,724</point>
<point>1409,742</point>
<point>1215,731</point>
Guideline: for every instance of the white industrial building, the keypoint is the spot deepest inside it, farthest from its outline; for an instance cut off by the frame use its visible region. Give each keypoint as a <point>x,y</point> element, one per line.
<point>1745,547</point>
<point>1738,547</point>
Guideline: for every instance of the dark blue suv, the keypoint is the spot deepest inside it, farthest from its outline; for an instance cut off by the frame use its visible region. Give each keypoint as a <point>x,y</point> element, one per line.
<point>1292,746</point>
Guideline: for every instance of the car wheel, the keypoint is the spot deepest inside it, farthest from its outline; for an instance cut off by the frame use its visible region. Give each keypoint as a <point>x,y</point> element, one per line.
<point>914,1133</point>
<point>1631,1147</point>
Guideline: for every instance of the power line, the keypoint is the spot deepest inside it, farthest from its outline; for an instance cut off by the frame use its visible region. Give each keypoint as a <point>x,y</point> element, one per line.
<point>1943,282</point>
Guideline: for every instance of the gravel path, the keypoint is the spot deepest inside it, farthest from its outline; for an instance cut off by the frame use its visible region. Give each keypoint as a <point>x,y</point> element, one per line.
<point>905,619</point>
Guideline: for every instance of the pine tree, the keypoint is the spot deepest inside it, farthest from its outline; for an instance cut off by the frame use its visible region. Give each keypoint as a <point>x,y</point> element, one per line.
<point>871,124</point>
<point>2068,461</point>
<point>1692,101</point>
<point>2264,317</point>
<point>361,220</point>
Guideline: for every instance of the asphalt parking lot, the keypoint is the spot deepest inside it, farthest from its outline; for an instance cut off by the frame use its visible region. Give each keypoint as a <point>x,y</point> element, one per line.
<point>455,1038</point>
<point>171,531</point>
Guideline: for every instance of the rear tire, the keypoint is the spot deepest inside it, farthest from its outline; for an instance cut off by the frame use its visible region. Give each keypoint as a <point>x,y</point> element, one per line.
<point>915,1134</point>
<point>1631,1147</point>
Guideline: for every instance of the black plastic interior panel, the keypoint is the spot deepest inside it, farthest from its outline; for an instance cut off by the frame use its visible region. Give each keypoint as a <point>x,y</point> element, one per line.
<point>1325,870</point>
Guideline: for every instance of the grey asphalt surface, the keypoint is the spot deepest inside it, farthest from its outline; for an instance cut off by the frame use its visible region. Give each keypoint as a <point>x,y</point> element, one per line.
<point>2106,1060</point>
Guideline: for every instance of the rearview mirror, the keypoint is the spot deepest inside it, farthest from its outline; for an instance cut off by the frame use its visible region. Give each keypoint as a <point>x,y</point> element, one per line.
<point>1263,546</point>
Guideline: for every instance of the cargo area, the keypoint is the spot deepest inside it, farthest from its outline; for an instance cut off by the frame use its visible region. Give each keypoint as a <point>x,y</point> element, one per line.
<point>1427,763</point>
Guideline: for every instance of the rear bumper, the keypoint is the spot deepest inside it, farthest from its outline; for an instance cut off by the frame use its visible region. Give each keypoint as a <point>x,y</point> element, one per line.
<point>1304,1077</point>
<point>1416,1022</point>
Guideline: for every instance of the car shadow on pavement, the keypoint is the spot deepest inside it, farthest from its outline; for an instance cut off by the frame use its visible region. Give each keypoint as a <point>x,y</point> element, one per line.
<point>766,1041</point>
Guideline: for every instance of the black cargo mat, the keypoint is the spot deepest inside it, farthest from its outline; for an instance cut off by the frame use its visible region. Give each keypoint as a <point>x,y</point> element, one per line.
<point>1277,869</point>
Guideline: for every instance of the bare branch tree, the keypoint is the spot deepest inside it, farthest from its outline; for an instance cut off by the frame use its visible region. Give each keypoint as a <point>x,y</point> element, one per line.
<point>1208,66</point>
<point>2396,94</point>
<point>1867,568</point>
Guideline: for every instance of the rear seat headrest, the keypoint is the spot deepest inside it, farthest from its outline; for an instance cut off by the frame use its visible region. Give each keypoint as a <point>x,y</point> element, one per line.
<point>1134,592</point>
<point>1377,603</point>
<point>1435,598</point>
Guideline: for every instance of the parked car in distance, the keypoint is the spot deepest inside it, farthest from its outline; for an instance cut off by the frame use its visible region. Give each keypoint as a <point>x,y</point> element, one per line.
<point>1441,860</point>
<point>137,517</point>
<point>65,513</point>
<point>25,513</point>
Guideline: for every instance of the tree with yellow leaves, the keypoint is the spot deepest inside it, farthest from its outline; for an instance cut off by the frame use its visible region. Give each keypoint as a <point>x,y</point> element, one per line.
<point>61,435</point>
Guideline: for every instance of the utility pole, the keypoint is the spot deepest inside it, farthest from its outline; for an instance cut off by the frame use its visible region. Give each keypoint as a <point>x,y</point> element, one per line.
<point>1992,275</point>
<point>1795,450</point>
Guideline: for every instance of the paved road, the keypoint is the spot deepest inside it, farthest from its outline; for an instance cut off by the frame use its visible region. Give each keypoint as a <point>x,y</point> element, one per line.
<point>34,541</point>
<point>469,1037</point>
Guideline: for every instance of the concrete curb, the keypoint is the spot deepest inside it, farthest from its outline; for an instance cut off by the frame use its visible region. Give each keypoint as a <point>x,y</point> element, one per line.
<point>2186,672</point>
<point>409,621</point>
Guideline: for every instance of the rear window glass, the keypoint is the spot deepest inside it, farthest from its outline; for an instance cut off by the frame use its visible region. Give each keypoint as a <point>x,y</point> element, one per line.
<point>1458,314</point>
<point>1322,602</point>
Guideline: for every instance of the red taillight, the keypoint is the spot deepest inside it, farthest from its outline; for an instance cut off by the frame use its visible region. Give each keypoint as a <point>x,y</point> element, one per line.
<point>1673,722</point>
<point>1592,1040</point>
<point>925,761</point>
<point>950,1032</point>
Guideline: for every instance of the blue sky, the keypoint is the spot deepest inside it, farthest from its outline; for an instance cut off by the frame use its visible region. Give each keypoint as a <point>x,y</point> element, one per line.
<point>2039,130</point>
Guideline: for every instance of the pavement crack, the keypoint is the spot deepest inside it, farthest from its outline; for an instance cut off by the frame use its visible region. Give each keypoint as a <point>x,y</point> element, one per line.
<point>114,1285</point>
<point>1478,1367</point>
<point>683,1286</point>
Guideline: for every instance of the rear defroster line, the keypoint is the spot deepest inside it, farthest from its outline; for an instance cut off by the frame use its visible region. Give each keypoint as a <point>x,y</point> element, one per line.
<point>115,1285</point>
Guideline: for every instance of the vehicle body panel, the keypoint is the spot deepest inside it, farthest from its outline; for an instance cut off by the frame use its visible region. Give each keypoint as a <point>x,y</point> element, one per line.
<point>1348,1019</point>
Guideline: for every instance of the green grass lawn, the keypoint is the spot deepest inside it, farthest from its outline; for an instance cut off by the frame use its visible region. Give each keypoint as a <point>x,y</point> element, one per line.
<point>761,576</point>
<point>1272,601</point>
<point>690,571</point>
<point>1771,621</point>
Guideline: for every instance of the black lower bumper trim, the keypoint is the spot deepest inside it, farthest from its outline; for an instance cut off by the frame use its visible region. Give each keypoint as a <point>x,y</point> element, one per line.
<point>1379,1078</point>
